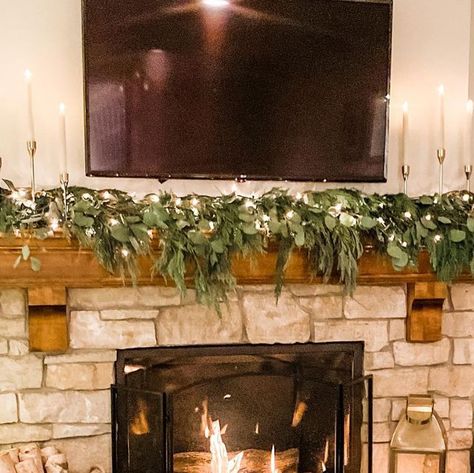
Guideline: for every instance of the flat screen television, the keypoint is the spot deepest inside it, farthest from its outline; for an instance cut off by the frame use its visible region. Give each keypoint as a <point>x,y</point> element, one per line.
<point>219,89</point>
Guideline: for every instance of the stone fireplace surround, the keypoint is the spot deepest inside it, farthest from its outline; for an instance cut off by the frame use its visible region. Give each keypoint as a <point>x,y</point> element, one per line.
<point>64,399</point>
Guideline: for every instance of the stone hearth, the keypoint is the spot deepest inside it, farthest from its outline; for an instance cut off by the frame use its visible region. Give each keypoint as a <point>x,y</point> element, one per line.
<point>63,399</point>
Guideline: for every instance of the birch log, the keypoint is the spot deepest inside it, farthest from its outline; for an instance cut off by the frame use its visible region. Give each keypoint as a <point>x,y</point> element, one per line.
<point>34,453</point>
<point>26,466</point>
<point>13,452</point>
<point>6,463</point>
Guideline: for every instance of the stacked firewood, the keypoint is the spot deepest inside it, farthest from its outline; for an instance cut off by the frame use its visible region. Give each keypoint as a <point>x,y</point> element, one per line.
<point>33,459</point>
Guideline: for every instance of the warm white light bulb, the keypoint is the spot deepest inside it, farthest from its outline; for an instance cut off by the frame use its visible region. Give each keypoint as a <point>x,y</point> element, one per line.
<point>469,106</point>
<point>62,108</point>
<point>216,3</point>
<point>405,107</point>
<point>441,89</point>
<point>28,75</point>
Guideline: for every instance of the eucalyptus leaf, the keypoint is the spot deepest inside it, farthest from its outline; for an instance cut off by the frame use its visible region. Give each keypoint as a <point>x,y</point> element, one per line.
<point>470,224</point>
<point>218,246</point>
<point>35,264</point>
<point>204,225</point>
<point>120,233</point>
<point>367,222</point>
<point>182,224</point>
<point>82,220</point>
<point>347,220</point>
<point>456,235</point>
<point>427,223</point>
<point>426,200</point>
<point>444,220</point>
<point>400,263</point>
<point>330,222</point>
<point>395,251</point>
<point>25,252</point>
<point>299,238</point>
<point>197,238</point>
<point>249,229</point>
<point>274,226</point>
<point>246,217</point>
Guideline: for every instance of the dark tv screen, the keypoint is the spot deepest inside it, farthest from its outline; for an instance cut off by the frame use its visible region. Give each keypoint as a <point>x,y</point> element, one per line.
<point>260,89</point>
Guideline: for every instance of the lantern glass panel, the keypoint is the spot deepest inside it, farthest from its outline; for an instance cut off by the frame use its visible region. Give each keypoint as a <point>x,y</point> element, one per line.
<point>417,463</point>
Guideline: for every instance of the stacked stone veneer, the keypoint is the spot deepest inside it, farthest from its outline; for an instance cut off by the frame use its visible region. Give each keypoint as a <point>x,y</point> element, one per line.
<point>64,399</point>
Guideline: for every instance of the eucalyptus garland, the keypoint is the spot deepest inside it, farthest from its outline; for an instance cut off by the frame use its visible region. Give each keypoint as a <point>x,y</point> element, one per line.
<point>198,235</point>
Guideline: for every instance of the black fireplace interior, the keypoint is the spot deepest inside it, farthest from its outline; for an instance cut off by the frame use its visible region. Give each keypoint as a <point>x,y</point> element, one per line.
<point>242,408</point>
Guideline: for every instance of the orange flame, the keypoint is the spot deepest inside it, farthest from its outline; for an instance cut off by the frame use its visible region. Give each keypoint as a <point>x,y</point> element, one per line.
<point>220,462</point>
<point>273,467</point>
<point>139,424</point>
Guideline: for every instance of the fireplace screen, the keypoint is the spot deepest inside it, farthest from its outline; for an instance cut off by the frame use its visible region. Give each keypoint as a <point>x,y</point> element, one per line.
<point>242,409</point>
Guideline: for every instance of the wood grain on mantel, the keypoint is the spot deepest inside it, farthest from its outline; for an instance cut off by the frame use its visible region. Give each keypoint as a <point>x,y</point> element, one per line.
<point>65,265</point>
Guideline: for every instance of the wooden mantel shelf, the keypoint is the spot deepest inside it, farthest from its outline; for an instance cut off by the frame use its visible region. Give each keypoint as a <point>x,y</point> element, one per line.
<point>65,265</point>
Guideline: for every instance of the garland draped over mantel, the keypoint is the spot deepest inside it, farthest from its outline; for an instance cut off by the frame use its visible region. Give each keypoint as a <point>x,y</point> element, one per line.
<point>202,232</point>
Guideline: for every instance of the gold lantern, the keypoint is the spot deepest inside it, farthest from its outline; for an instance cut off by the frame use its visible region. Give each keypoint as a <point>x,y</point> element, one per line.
<point>419,442</point>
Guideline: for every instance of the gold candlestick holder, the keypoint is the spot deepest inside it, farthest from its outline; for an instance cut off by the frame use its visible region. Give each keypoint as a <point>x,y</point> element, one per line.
<point>406,175</point>
<point>31,148</point>
<point>441,154</point>
<point>468,173</point>
<point>64,183</point>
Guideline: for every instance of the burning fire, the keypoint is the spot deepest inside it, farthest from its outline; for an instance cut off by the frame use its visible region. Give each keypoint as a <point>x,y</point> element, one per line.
<point>273,468</point>
<point>139,424</point>
<point>220,462</point>
<point>326,456</point>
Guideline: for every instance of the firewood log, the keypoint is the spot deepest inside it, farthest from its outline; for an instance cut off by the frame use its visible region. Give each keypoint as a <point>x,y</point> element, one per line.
<point>6,463</point>
<point>13,452</point>
<point>46,452</point>
<point>28,465</point>
<point>57,459</point>
<point>32,452</point>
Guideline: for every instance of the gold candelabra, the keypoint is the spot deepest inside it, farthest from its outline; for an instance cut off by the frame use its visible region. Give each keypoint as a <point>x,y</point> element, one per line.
<point>441,154</point>
<point>406,175</point>
<point>468,173</point>
<point>31,148</point>
<point>64,183</point>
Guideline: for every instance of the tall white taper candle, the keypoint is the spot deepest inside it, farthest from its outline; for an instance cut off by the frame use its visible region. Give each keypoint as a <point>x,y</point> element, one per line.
<point>441,92</point>
<point>62,138</point>
<point>29,106</point>
<point>404,139</point>
<point>468,131</point>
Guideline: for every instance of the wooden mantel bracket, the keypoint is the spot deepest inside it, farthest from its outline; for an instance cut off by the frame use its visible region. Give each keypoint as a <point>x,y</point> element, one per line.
<point>47,319</point>
<point>425,305</point>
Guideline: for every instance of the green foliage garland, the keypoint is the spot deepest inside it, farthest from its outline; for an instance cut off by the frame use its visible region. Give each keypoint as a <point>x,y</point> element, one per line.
<point>199,234</point>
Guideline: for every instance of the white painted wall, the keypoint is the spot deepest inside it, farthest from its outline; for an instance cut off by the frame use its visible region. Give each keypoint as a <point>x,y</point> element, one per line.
<point>431,44</point>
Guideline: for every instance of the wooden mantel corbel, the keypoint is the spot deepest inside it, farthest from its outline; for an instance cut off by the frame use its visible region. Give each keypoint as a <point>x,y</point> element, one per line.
<point>47,319</point>
<point>425,309</point>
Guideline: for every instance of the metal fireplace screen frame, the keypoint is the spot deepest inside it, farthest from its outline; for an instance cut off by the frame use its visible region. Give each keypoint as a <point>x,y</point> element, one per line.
<point>125,398</point>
